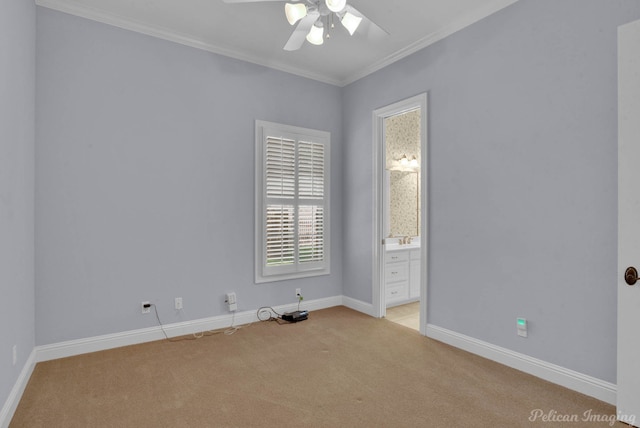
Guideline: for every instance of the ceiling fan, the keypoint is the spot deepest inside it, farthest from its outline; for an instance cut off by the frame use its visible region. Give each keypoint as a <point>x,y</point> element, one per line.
<point>315,16</point>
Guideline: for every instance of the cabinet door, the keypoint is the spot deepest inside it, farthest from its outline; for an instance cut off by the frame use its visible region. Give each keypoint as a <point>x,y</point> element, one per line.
<point>397,292</point>
<point>395,272</point>
<point>396,256</point>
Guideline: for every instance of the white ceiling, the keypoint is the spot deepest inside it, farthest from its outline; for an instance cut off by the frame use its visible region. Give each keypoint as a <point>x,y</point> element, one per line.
<point>256,32</point>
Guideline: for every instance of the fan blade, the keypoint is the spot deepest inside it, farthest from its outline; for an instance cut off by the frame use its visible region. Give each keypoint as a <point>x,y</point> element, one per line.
<point>300,33</point>
<point>367,27</point>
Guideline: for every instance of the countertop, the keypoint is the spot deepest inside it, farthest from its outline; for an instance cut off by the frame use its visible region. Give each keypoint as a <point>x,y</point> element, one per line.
<point>399,247</point>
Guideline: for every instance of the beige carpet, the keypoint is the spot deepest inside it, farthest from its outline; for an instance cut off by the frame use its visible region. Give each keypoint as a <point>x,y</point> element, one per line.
<point>339,368</point>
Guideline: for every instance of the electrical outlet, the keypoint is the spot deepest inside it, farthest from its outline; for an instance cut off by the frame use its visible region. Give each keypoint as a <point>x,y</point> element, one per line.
<point>298,293</point>
<point>146,307</point>
<point>521,324</point>
<point>232,303</point>
<point>178,303</point>
<point>15,354</point>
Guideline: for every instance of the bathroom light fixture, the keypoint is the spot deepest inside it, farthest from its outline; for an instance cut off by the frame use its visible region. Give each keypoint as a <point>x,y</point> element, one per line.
<point>405,164</point>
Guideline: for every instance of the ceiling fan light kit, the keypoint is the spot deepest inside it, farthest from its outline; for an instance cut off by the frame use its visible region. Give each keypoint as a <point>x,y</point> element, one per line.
<point>312,16</point>
<point>351,22</point>
<point>336,5</point>
<point>295,12</point>
<point>316,34</point>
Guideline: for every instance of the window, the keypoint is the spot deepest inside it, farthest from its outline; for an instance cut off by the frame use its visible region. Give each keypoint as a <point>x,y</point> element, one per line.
<point>292,202</point>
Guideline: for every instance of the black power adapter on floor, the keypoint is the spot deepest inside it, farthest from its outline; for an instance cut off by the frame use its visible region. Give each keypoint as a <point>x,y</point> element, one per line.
<point>295,316</point>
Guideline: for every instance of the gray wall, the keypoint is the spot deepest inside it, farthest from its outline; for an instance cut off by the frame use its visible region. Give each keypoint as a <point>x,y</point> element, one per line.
<point>17,96</point>
<point>522,178</point>
<point>145,178</point>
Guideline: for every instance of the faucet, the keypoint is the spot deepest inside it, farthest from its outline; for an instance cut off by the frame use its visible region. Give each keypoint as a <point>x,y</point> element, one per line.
<point>405,240</point>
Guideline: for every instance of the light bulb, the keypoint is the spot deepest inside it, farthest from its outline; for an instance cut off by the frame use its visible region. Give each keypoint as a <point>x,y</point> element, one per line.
<point>295,12</point>
<point>351,22</point>
<point>414,162</point>
<point>336,5</point>
<point>316,35</point>
<point>404,161</point>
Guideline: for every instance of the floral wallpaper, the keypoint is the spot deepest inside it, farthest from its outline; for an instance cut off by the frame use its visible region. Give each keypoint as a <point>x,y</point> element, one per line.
<point>402,134</point>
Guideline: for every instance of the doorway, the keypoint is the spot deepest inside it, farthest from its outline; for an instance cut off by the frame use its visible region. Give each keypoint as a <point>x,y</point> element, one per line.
<point>401,233</point>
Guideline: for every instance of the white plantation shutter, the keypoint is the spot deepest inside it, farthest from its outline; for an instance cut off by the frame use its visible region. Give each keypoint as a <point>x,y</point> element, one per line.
<point>311,170</point>
<point>281,168</point>
<point>292,177</point>
<point>311,234</point>
<point>310,190</point>
<point>280,245</point>
<point>280,183</point>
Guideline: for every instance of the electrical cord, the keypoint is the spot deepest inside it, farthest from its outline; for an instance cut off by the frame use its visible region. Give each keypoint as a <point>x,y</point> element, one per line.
<point>232,328</point>
<point>198,335</point>
<point>265,313</point>
<point>269,311</point>
<point>155,309</point>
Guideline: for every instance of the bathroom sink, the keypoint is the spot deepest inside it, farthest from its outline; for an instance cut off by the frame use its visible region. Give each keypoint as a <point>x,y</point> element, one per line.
<point>397,247</point>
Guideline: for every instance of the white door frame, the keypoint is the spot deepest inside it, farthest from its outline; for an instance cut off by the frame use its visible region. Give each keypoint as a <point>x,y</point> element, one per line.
<point>379,163</point>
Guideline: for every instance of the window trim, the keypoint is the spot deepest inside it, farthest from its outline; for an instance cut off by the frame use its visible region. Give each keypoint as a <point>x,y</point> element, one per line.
<point>300,134</point>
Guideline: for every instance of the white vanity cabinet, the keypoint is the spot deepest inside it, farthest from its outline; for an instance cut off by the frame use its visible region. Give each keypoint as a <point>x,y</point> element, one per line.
<point>402,276</point>
<point>396,276</point>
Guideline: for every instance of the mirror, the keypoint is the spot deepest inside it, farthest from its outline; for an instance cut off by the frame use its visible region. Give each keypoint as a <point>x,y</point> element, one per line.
<point>402,140</point>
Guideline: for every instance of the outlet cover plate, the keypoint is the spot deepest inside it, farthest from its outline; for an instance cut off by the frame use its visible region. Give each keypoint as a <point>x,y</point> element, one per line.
<point>145,310</point>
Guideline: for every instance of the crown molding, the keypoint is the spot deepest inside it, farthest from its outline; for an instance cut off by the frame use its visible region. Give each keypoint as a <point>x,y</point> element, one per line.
<point>126,23</point>
<point>430,39</point>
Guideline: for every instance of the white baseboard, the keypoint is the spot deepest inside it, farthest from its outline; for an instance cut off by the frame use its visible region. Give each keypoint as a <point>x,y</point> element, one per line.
<point>358,305</point>
<point>133,337</point>
<point>576,381</point>
<point>315,305</point>
<point>10,406</point>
